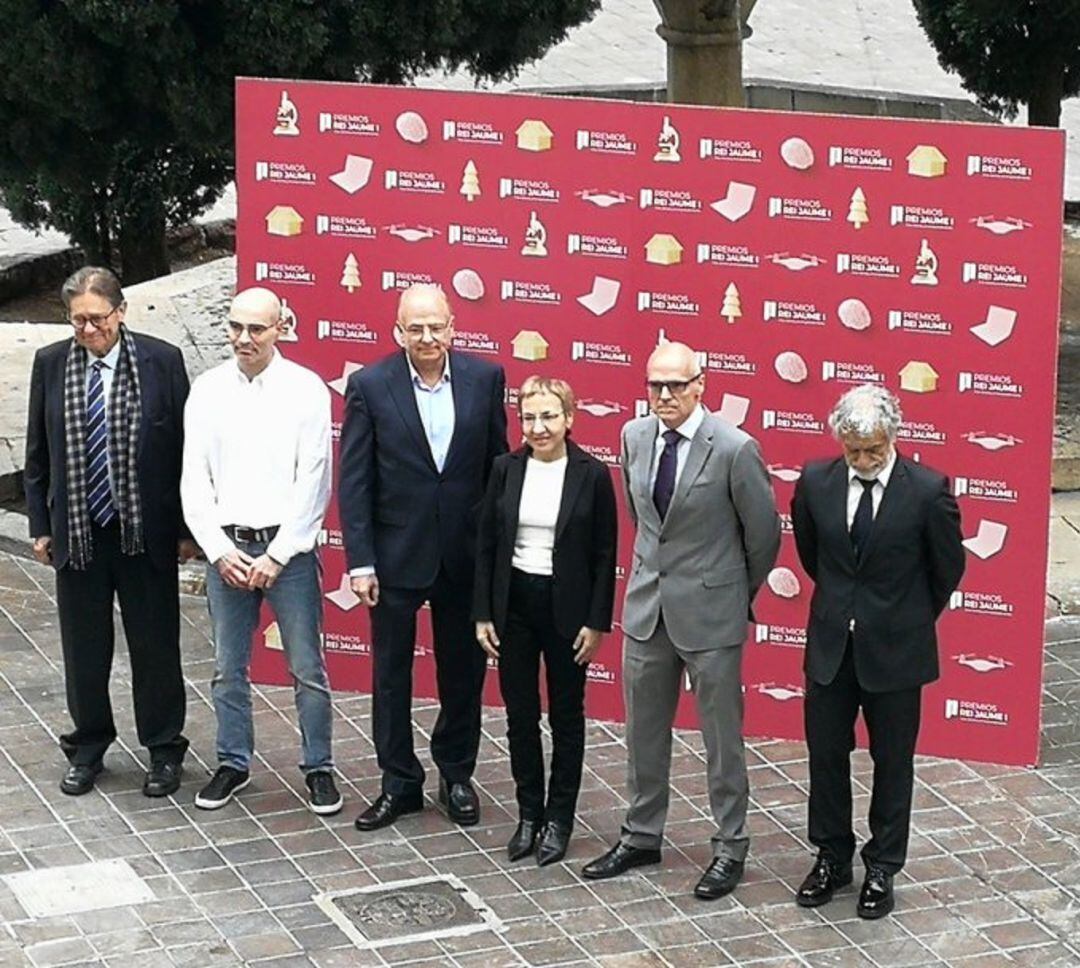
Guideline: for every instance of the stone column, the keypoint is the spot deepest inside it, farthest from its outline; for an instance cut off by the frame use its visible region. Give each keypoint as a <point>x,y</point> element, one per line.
<point>704,49</point>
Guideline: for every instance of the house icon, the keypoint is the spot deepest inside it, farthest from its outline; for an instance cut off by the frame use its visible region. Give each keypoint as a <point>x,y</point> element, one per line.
<point>918,377</point>
<point>284,220</point>
<point>926,161</point>
<point>663,250</point>
<point>534,135</point>
<point>529,345</point>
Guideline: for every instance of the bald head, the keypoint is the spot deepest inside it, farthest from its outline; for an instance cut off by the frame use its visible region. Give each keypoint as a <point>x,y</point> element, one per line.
<point>675,383</point>
<point>425,327</point>
<point>256,302</point>
<point>423,299</point>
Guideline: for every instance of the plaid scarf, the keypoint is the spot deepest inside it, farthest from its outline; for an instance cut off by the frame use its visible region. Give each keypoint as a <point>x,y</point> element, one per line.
<point>124,413</point>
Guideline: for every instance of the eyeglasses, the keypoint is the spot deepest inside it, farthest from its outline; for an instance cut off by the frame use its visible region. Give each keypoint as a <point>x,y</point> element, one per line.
<point>97,321</point>
<point>547,419</point>
<point>674,387</point>
<point>417,331</point>
<point>254,330</point>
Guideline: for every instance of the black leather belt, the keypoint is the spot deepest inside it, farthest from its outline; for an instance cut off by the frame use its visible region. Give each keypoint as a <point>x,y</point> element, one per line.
<point>239,533</point>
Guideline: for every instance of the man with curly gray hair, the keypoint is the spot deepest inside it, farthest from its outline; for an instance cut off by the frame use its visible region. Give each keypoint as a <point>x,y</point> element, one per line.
<point>880,536</point>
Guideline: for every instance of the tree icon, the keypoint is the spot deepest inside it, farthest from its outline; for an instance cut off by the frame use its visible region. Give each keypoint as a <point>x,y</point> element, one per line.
<point>350,278</point>
<point>857,213</point>
<point>732,308</point>
<point>470,181</point>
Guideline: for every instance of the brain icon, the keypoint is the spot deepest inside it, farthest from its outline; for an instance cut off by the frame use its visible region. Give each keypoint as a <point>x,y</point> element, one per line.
<point>468,284</point>
<point>411,127</point>
<point>797,154</point>
<point>783,582</point>
<point>854,314</point>
<point>791,367</point>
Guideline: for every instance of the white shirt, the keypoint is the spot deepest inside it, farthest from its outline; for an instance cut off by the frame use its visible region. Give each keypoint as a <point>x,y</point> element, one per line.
<point>538,511</point>
<point>877,492</point>
<point>257,454</point>
<point>108,370</point>
<point>686,431</point>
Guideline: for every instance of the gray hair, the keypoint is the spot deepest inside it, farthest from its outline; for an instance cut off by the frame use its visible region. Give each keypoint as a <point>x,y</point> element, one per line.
<point>864,410</point>
<point>94,279</point>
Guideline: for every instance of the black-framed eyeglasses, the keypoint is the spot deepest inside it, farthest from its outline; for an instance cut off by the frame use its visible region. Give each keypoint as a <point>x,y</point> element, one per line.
<point>96,320</point>
<point>674,387</point>
<point>254,330</point>
<point>547,418</point>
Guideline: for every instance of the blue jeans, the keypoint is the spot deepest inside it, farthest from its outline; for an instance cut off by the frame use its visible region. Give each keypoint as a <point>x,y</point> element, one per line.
<point>296,601</point>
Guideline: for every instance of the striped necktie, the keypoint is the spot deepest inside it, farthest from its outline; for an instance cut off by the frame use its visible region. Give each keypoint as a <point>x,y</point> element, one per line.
<point>98,495</point>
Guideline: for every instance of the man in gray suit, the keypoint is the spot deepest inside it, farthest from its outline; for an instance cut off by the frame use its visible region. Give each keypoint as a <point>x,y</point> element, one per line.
<point>707,535</point>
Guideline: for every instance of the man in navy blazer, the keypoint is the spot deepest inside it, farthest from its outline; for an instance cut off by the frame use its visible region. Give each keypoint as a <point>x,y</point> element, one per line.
<point>421,430</point>
<point>104,441</point>
<point>880,537</point>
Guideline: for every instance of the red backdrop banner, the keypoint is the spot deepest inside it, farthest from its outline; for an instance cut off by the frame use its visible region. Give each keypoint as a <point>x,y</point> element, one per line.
<point>798,254</point>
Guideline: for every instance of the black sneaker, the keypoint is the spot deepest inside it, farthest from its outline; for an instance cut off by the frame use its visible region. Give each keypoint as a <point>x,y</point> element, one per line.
<point>221,788</point>
<point>324,798</point>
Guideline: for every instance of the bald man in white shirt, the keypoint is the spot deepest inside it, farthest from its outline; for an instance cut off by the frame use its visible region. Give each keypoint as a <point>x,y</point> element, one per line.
<point>255,486</point>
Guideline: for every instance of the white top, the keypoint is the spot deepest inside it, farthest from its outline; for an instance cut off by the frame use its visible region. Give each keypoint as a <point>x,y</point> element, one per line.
<point>686,431</point>
<point>257,454</point>
<point>877,492</point>
<point>541,495</point>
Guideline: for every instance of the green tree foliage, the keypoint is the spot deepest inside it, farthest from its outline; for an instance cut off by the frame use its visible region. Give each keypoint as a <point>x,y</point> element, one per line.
<point>116,116</point>
<point>1009,52</point>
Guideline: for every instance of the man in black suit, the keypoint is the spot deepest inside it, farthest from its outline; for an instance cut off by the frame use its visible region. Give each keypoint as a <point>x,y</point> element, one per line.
<point>421,430</point>
<point>880,537</point>
<point>103,450</point>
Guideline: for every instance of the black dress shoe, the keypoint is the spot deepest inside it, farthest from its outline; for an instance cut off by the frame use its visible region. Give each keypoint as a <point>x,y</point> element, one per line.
<point>162,779</point>
<point>876,898</point>
<point>824,878</point>
<point>79,778</point>
<point>618,860</point>
<point>720,878</point>
<point>388,808</point>
<point>523,842</point>
<point>460,801</point>
<point>554,839</point>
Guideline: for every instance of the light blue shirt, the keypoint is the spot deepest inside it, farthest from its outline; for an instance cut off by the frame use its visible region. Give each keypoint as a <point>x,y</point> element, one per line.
<point>436,406</point>
<point>686,431</point>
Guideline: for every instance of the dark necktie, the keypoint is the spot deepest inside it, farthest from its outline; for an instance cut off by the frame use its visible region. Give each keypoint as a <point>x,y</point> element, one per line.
<point>863,522</point>
<point>664,487</point>
<point>98,497</point>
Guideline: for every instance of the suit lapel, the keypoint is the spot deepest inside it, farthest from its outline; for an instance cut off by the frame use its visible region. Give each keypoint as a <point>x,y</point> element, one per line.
<point>576,466</point>
<point>700,448</point>
<point>836,498</point>
<point>399,386</point>
<point>515,480</point>
<point>646,447</point>
<point>892,501</point>
<point>461,386</point>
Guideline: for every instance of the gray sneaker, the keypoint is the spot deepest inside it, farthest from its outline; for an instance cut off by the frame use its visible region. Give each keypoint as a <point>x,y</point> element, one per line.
<point>323,796</point>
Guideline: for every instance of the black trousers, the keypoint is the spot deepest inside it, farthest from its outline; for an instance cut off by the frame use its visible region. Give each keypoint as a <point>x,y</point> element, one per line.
<point>460,665</point>
<point>529,634</point>
<point>892,721</point>
<point>150,611</point>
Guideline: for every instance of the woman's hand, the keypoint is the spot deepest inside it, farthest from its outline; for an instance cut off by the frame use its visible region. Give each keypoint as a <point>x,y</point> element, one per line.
<point>489,641</point>
<point>586,644</point>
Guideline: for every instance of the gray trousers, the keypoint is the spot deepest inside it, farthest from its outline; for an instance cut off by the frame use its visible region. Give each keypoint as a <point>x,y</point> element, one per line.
<point>652,682</point>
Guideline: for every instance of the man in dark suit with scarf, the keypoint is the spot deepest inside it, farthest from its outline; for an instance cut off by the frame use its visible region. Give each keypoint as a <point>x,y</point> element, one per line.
<point>103,450</point>
<point>880,536</point>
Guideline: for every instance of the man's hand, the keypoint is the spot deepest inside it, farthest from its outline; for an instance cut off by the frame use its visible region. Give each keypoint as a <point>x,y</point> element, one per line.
<point>43,549</point>
<point>234,567</point>
<point>186,549</point>
<point>489,641</point>
<point>366,588</point>
<point>263,572</point>
<point>586,644</point>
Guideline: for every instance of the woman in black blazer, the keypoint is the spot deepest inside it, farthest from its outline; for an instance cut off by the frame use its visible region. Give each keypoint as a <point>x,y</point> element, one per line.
<point>545,583</point>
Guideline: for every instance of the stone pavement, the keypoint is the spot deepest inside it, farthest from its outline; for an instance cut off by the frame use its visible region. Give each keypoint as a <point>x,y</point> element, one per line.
<point>994,875</point>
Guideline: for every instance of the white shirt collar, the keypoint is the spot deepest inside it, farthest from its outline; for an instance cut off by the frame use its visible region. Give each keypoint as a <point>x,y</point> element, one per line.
<point>883,477</point>
<point>688,427</point>
<point>418,381</point>
<point>266,373</point>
